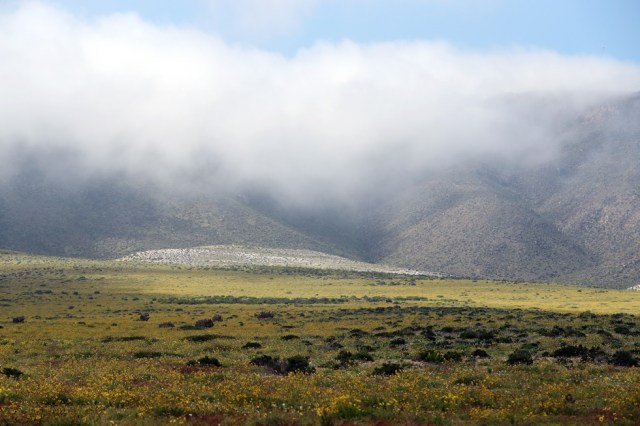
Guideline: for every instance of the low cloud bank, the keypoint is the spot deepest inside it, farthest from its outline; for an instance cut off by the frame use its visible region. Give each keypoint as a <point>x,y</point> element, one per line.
<point>118,95</point>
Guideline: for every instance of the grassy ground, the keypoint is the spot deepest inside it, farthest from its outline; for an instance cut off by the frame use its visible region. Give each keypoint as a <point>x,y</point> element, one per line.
<point>307,347</point>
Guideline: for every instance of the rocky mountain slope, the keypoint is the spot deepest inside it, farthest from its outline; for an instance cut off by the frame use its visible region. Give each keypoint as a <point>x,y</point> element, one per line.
<point>575,218</point>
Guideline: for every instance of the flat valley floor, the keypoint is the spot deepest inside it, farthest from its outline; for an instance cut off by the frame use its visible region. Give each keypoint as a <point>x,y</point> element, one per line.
<point>97,342</point>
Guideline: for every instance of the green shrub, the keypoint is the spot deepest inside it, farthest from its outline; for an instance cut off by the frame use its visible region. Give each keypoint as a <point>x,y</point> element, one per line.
<point>430,356</point>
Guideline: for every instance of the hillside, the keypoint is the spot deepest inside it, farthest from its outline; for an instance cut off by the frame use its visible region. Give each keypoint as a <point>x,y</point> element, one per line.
<point>575,218</point>
<point>467,227</point>
<point>107,219</point>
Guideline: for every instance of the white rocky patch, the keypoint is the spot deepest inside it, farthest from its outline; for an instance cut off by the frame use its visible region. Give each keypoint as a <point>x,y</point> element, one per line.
<point>233,255</point>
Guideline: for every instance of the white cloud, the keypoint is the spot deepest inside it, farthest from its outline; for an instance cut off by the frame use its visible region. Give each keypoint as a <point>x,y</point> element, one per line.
<point>168,103</point>
<point>259,18</point>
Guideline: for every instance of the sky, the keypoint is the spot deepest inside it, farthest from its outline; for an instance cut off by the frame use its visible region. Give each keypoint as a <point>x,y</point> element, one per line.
<point>593,27</point>
<point>305,98</point>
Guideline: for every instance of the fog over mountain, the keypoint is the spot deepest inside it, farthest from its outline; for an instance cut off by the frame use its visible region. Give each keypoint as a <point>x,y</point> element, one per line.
<point>120,135</point>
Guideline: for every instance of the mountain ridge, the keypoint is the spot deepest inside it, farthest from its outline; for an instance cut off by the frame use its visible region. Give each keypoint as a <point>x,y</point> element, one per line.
<point>574,218</point>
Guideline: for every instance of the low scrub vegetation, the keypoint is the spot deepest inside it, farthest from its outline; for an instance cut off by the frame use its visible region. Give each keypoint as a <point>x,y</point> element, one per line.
<point>283,351</point>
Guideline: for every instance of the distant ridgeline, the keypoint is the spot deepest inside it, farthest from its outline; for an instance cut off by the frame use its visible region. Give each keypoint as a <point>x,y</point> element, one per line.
<point>575,218</point>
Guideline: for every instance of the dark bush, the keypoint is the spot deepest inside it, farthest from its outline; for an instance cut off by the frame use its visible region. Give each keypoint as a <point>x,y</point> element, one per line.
<point>147,354</point>
<point>252,345</point>
<point>347,358</point>
<point>109,339</point>
<point>294,364</point>
<point>205,361</point>
<point>470,334</point>
<point>18,320</point>
<point>570,351</point>
<point>398,341</point>
<point>12,372</point>
<point>429,333</point>
<point>263,360</point>
<point>204,323</point>
<point>199,338</point>
<point>363,356</point>
<point>387,369</point>
<point>622,329</point>
<point>344,357</point>
<point>357,333</point>
<point>623,359</point>
<point>595,354</point>
<point>453,356</point>
<point>557,331</point>
<point>265,314</point>
<point>217,318</point>
<point>144,316</point>
<point>480,353</point>
<point>298,364</point>
<point>587,315</point>
<point>520,357</point>
<point>166,325</point>
<point>289,337</point>
<point>332,345</point>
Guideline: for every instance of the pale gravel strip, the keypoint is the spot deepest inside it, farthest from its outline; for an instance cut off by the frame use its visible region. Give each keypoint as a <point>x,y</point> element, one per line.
<point>224,256</point>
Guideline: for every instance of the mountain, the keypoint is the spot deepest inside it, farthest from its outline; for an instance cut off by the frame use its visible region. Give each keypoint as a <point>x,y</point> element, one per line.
<point>108,218</point>
<point>574,218</point>
<point>466,225</point>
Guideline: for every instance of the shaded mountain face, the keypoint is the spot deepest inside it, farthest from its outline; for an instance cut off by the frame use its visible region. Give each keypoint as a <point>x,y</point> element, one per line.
<point>574,218</point>
<point>108,218</point>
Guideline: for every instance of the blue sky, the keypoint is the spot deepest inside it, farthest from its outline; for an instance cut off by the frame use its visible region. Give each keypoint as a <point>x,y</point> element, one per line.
<point>593,27</point>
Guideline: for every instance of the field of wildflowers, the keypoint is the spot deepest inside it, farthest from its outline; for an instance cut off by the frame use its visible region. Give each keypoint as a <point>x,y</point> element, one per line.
<point>88,342</point>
